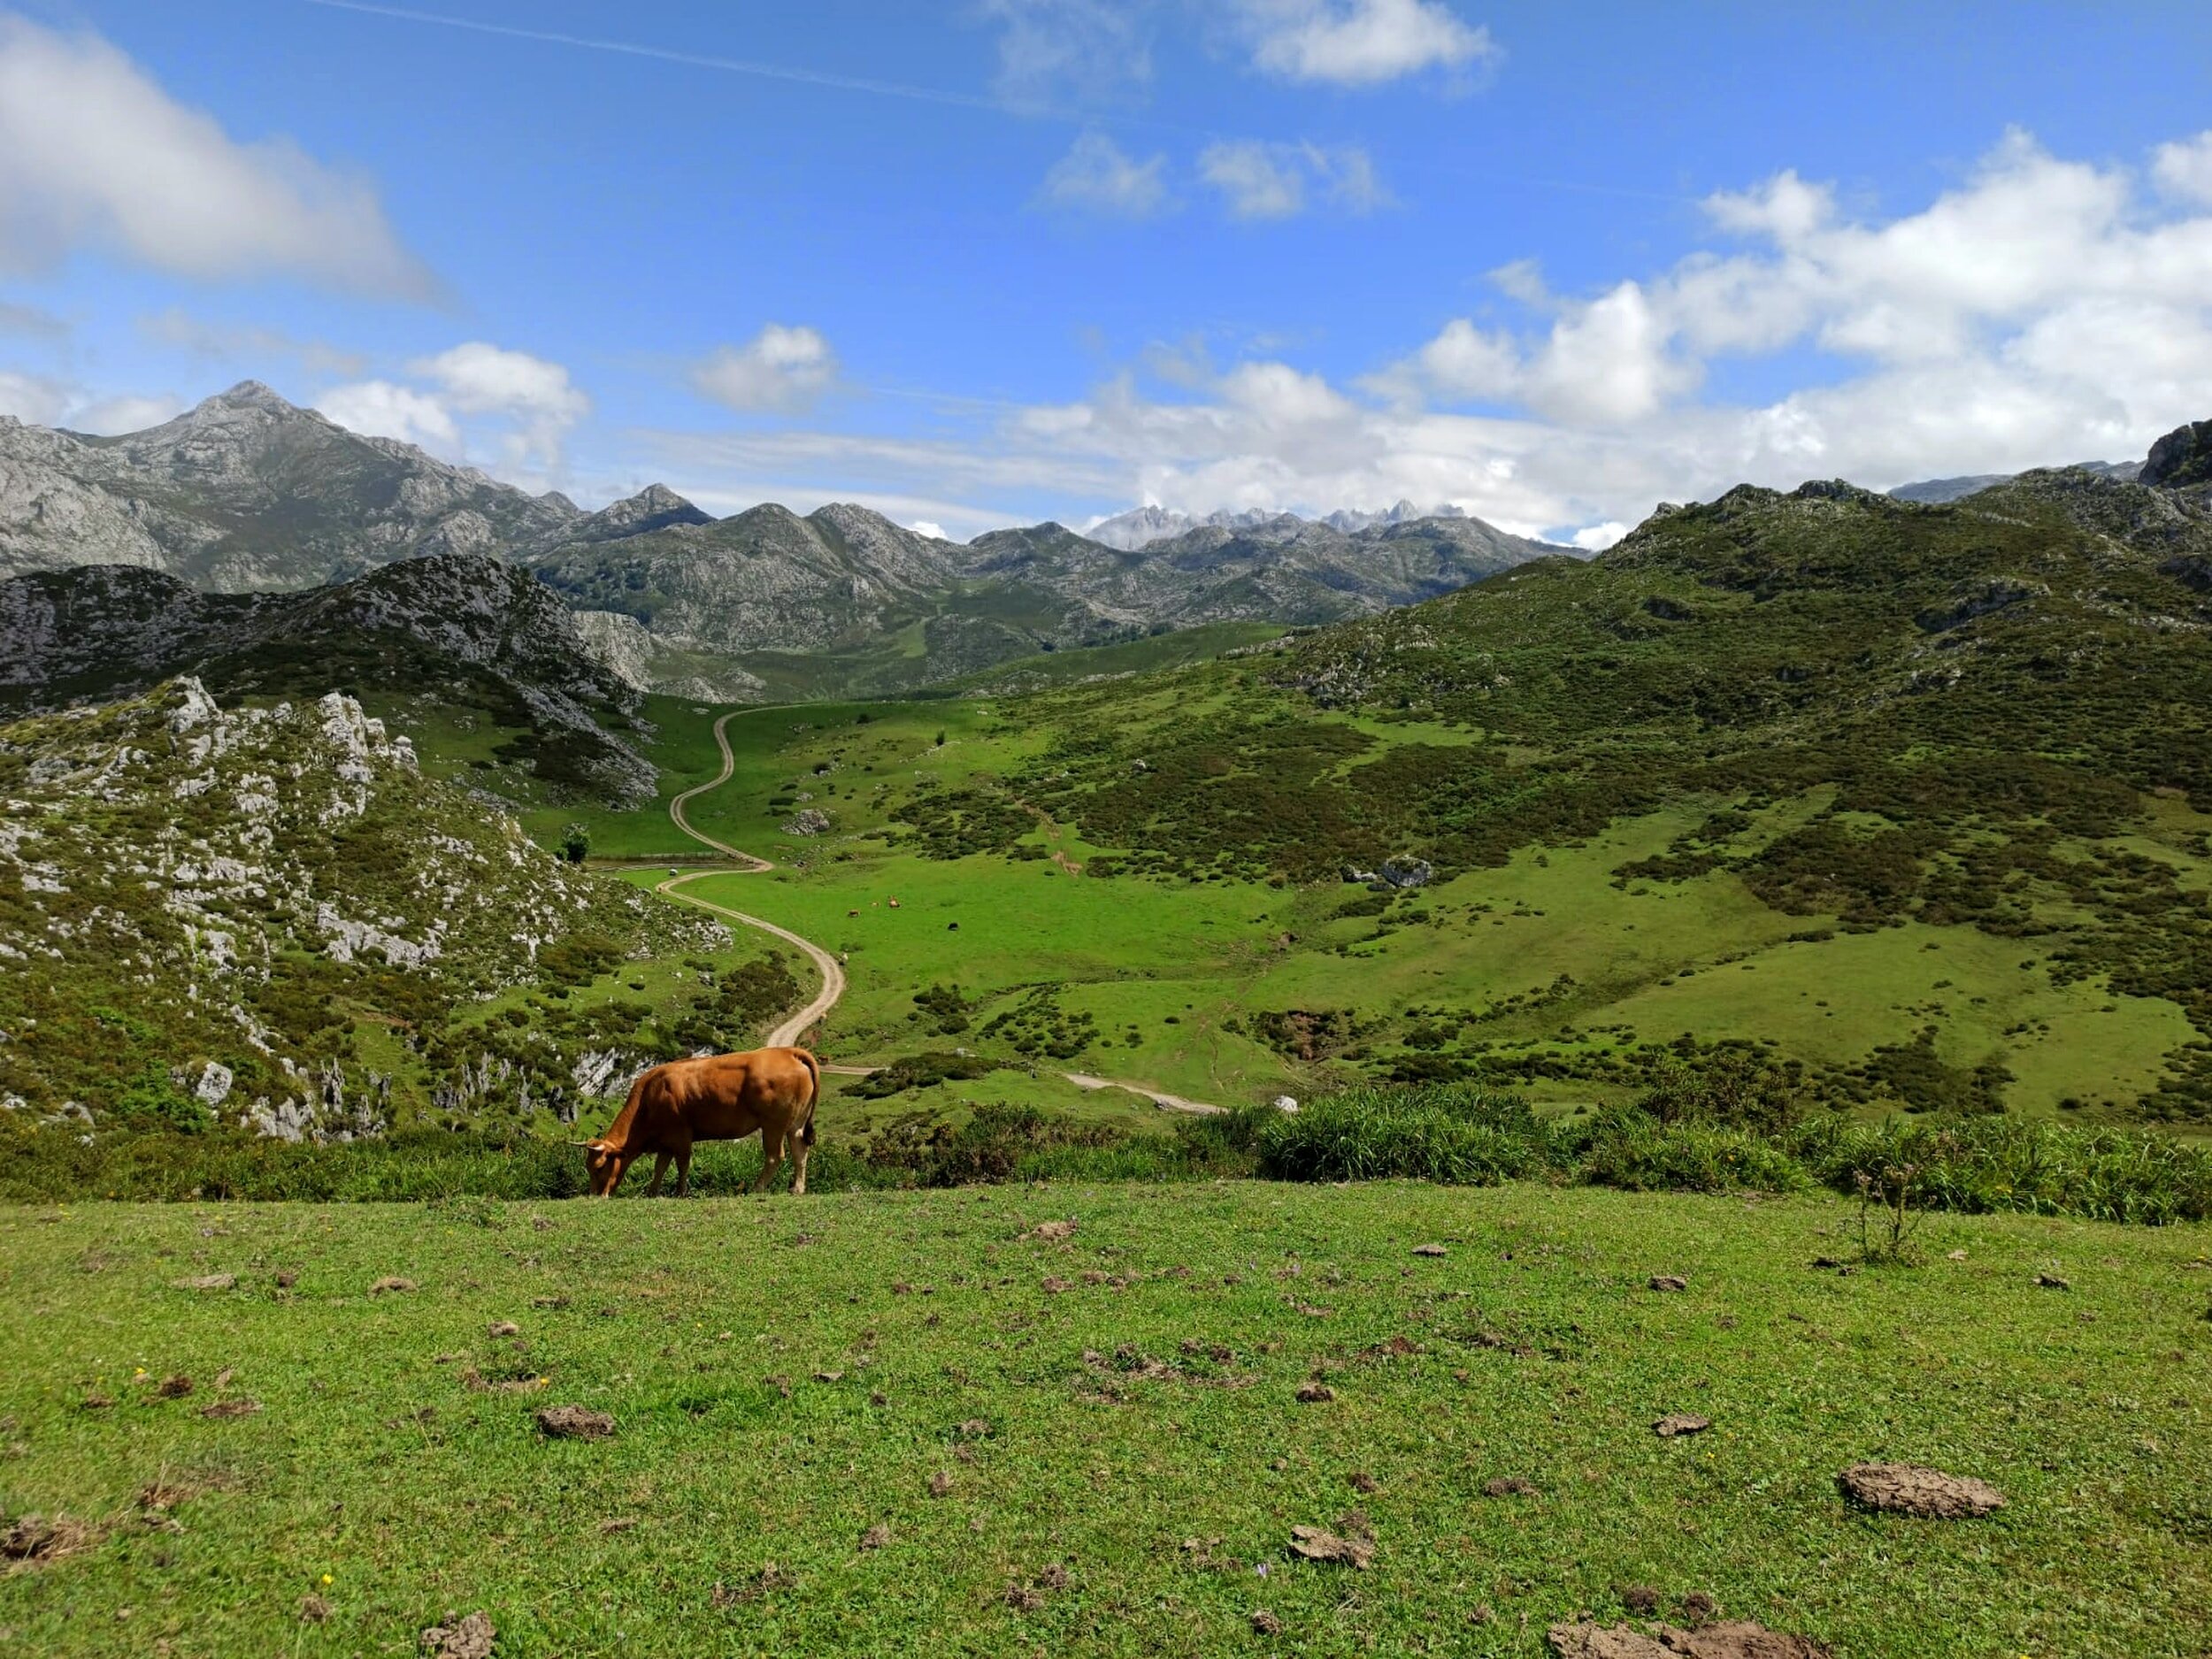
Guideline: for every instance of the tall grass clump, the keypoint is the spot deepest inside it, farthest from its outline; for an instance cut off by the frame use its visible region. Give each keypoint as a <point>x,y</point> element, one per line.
<point>1457,1132</point>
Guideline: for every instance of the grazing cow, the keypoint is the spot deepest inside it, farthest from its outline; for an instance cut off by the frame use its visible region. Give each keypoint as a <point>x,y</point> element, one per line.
<point>715,1097</point>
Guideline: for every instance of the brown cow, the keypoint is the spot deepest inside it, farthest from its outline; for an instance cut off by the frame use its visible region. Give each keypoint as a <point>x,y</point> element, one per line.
<point>715,1097</point>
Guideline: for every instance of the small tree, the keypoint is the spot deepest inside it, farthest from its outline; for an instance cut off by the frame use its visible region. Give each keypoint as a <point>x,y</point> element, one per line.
<point>575,843</point>
<point>1888,1215</point>
<point>941,739</point>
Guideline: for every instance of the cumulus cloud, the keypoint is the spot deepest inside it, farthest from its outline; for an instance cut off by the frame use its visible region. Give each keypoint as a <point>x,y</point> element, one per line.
<point>2186,167</point>
<point>125,412</point>
<point>924,526</point>
<point>31,398</point>
<point>780,369</point>
<point>474,401</point>
<point>379,409</point>
<point>93,153</point>
<point>31,322</point>
<point>1097,176</point>
<point>2042,311</point>
<point>1362,42</point>
<point>1272,181</point>
<point>44,401</point>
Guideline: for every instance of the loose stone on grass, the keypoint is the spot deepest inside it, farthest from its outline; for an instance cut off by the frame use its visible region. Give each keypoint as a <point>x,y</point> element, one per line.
<point>1430,1249</point>
<point>1914,1489</point>
<point>2051,1281</point>
<point>1680,1423</point>
<point>1669,1281</point>
<point>469,1637</point>
<point>574,1423</point>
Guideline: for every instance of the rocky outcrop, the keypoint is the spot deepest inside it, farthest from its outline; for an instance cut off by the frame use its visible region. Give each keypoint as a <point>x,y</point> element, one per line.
<point>2182,458</point>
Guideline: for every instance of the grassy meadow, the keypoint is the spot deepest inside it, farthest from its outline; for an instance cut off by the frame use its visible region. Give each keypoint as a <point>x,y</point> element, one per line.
<point>893,1424</point>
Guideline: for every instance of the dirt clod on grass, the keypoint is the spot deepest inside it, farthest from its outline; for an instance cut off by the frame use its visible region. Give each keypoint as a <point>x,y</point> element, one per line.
<point>1669,1281</point>
<point>1680,1423</point>
<point>1265,1623</point>
<point>1913,1489</point>
<point>941,1484</point>
<point>1741,1640</point>
<point>313,1609</point>
<point>503,1327</point>
<point>207,1281</point>
<point>1508,1486</point>
<point>238,1408</point>
<point>1362,1482</point>
<point>1430,1249</point>
<point>877,1536</point>
<point>1051,1232</point>
<point>769,1578</point>
<point>1023,1598</point>
<point>1639,1599</point>
<point>1053,1285</point>
<point>2051,1281</point>
<point>173,1387</point>
<point>1698,1607</point>
<point>36,1540</point>
<point>1314,1393</point>
<point>392,1287</point>
<point>574,1423</point>
<point>1318,1543</point>
<point>469,1637</point>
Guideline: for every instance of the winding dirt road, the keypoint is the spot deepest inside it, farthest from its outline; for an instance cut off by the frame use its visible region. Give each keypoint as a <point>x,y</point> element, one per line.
<point>788,1034</point>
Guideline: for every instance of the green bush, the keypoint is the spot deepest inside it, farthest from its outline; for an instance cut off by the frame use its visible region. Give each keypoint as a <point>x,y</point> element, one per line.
<point>1638,1152</point>
<point>1456,1133</point>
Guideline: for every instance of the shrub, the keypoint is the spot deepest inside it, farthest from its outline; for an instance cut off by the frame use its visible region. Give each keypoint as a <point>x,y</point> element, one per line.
<point>1444,1132</point>
<point>1635,1151</point>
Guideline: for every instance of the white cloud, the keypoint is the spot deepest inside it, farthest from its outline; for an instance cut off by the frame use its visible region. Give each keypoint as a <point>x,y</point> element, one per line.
<point>1053,52</point>
<point>2043,310</point>
<point>2186,168</point>
<point>780,369</point>
<point>31,399</point>
<point>180,331</point>
<point>94,154</point>
<point>1597,537</point>
<point>379,409</point>
<point>1362,42</point>
<point>1097,176</point>
<point>29,320</point>
<point>923,527</point>
<point>1268,181</point>
<point>125,412</point>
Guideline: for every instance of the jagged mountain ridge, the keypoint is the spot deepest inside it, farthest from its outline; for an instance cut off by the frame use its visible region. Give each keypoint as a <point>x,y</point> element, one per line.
<point>1140,527</point>
<point>479,632</point>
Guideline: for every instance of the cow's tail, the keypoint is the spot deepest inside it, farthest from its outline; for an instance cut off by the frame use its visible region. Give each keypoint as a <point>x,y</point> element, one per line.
<point>814,1093</point>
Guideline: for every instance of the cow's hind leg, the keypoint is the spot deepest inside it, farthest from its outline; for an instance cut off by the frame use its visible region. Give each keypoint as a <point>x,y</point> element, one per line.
<point>802,1143</point>
<point>660,1168</point>
<point>683,1173</point>
<point>772,1139</point>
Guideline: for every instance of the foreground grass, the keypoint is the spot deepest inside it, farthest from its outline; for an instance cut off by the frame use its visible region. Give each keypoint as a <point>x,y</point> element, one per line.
<point>375,1476</point>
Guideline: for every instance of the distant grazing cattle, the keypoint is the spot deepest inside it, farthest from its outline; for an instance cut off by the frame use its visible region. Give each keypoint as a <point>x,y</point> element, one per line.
<point>716,1097</point>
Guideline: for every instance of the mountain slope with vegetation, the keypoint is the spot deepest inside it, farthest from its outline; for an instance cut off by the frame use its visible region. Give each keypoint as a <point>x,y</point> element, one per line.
<point>267,918</point>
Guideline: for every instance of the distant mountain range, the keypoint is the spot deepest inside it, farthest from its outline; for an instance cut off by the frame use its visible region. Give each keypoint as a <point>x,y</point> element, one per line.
<point>1933,492</point>
<point>1141,526</point>
<point>247,494</point>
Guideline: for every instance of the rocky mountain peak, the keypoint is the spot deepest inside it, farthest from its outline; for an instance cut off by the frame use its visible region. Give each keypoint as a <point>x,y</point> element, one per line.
<point>2182,458</point>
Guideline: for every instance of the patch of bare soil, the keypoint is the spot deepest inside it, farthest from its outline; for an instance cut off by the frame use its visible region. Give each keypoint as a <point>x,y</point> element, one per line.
<point>769,1580</point>
<point>1430,1249</point>
<point>941,1484</point>
<point>1053,1284</point>
<point>1362,1482</point>
<point>1318,1543</point>
<point>96,1402</point>
<point>1669,1281</point>
<point>508,1380</point>
<point>394,1287</point>
<point>36,1540</point>
<point>1741,1640</point>
<point>503,1327</point>
<point>574,1423</point>
<point>207,1281</point>
<point>239,1407</point>
<point>173,1387</point>
<point>1049,1232</point>
<point>1913,1489</point>
<point>1392,1348</point>
<point>1508,1486</point>
<point>1639,1599</point>
<point>469,1637</point>
<point>313,1609</point>
<point>1680,1423</point>
<point>1265,1623</point>
<point>877,1536</point>
<point>1314,1393</point>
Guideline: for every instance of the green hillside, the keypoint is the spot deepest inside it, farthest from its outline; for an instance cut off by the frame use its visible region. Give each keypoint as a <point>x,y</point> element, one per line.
<point>1913,799</point>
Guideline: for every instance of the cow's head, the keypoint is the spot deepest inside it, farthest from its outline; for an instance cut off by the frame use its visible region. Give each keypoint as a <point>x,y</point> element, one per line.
<point>602,1167</point>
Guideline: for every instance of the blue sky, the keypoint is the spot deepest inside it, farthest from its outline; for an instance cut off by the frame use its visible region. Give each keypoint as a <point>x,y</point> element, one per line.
<point>1007,259</point>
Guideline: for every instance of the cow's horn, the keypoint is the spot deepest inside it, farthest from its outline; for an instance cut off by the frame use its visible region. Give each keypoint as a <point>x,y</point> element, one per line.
<point>580,1143</point>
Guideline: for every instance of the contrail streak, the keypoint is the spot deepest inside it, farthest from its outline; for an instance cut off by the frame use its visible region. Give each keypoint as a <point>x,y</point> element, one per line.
<point>696,60</point>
